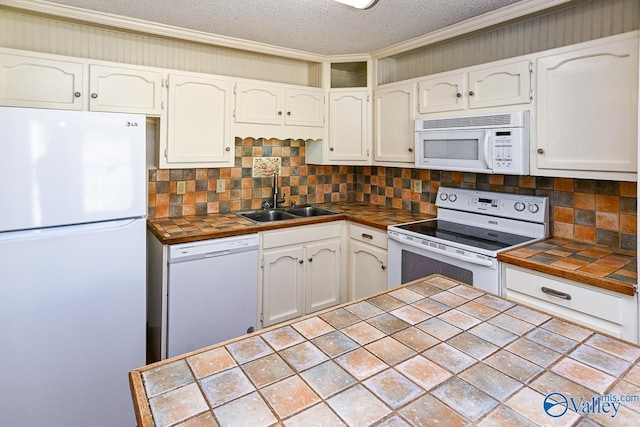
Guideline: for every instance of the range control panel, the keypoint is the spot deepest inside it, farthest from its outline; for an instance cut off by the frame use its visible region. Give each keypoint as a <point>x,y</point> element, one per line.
<point>506,205</point>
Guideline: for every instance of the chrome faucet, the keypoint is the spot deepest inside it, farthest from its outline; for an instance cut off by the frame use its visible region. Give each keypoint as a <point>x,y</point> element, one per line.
<point>276,191</point>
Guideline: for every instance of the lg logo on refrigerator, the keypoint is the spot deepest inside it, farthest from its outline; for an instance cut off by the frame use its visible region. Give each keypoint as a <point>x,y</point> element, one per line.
<point>130,124</point>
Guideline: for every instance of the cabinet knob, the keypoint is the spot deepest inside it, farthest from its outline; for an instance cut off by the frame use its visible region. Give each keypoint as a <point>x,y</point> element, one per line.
<point>367,236</point>
<point>94,95</point>
<point>384,267</point>
<point>227,149</point>
<point>288,113</point>
<point>310,260</point>
<point>458,95</point>
<point>540,151</point>
<point>331,149</point>
<point>411,150</point>
<point>77,94</point>
<point>279,113</point>
<point>300,261</point>
<point>471,93</point>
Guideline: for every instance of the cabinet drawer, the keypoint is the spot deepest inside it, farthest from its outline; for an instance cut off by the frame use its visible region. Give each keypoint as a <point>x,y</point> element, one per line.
<point>301,235</point>
<point>368,235</point>
<point>591,302</point>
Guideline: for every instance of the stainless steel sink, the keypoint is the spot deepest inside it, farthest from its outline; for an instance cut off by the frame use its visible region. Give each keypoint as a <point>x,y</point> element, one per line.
<point>267,215</point>
<point>307,210</point>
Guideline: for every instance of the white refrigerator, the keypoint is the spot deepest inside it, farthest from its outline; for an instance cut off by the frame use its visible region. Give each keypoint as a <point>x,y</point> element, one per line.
<point>72,266</point>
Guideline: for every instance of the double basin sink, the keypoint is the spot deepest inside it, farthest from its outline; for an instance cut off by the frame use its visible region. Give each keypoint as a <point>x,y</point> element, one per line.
<point>269,215</point>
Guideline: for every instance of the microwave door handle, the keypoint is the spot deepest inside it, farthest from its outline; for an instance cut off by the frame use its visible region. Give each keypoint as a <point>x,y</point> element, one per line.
<point>487,138</point>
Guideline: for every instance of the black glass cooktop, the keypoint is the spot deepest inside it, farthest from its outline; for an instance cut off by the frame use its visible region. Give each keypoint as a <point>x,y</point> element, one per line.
<point>465,234</point>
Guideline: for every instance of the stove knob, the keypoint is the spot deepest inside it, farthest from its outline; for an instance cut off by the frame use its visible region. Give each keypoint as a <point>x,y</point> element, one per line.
<point>519,206</point>
<point>443,196</point>
<point>533,208</point>
<point>453,198</point>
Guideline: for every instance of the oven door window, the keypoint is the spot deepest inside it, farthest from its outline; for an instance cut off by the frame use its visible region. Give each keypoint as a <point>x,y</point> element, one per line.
<point>416,266</point>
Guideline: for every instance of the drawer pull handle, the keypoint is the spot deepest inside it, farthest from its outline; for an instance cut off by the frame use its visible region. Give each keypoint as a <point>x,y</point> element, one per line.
<point>367,236</point>
<point>555,293</point>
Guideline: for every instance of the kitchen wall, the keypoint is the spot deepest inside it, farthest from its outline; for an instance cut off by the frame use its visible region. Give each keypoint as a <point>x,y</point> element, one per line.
<point>299,182</point>
<point>593,211</point>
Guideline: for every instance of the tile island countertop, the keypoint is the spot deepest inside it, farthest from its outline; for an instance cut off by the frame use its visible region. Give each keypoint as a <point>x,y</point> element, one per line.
<point>433,351</point>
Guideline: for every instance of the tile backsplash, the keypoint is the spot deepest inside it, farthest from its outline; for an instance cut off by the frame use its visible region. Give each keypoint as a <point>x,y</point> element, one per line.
<point>592,211</point>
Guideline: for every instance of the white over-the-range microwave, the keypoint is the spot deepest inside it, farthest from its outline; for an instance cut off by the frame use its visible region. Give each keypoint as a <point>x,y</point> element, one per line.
<point>496,143</point>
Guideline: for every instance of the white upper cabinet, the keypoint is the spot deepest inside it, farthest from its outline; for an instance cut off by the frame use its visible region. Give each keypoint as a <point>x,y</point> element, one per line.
<point>442,93</point>
<point>348,126</point>
<point>258,103</point>
<point>303,107</point>
<point>44,81</point>
<point>587,110</point>
<point>394,117</point>
<point>502,85</point>
<point>37,82</point>
<point>199,121</point>
<point>499,85</point>
<point>288,111</point>
<point>116,89</point>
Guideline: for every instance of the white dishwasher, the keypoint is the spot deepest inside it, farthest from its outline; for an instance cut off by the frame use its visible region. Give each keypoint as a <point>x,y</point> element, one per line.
<point>212,292</point>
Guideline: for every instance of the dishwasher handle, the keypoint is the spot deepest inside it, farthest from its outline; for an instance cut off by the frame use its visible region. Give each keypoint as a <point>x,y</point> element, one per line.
<point>212,248</point>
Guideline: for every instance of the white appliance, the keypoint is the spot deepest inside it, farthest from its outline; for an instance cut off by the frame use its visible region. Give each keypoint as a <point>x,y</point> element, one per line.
<point>72,266</point>
<point>497,143</point>
<point>464,240</point>
<point>212,292</point>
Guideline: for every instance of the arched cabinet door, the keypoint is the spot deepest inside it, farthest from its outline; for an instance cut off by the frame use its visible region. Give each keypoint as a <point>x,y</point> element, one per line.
<point>587,110</point>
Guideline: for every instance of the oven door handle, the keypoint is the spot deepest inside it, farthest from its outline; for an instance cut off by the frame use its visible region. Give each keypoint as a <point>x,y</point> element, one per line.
<point>477,261</point>
<point>483,262</point>
<point>487,137</point>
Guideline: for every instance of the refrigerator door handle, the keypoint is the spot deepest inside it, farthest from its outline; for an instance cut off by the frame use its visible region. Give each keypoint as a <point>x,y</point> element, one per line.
<point>41,233</point>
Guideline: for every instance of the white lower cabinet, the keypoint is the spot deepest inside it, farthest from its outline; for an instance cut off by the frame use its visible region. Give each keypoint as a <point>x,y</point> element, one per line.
<point>367,261</point>
<point>609,312</point>
<point>301,271</point>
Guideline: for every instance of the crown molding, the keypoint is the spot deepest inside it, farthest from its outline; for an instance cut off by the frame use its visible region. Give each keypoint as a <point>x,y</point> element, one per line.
<point>480,22</point>
<point>504,14</point>
<point>139,25</point>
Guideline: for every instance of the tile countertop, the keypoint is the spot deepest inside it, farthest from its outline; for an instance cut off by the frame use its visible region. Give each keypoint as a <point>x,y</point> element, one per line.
<point>607,268</point>
<point>193,228</point>
<point>431,352</point>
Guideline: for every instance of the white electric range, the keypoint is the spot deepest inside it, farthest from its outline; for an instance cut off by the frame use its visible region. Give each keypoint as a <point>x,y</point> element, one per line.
<point>464,240</point>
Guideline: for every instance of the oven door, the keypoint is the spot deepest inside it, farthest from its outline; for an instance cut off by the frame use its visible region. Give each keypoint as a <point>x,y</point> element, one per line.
<point>410,261</point>
<point>460,150</point>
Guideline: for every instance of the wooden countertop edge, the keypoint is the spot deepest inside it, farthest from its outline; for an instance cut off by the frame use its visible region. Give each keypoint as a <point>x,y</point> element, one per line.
<point>140,399</point>
<point>587,279</point>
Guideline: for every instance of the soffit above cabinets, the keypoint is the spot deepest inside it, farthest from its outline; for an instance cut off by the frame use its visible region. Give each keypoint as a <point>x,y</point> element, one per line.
<point>322,27</point>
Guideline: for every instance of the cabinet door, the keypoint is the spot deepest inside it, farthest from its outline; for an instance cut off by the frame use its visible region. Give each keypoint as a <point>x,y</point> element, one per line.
<point>442,93</point>
<point>322,275</point>
<point>198,121</point>
<point>368,270</point>
<point>258,103</point>
<point>502,85</point>
<point>394,124</point>
<point>348,126</point>
<point>588,109</point>
<point>304,107</point>
<point>40,83</point>
<point>282,284</point>
<point>115,89</point>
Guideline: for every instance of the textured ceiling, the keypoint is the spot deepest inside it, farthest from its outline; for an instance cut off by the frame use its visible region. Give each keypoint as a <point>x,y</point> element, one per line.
<point>316,26</point>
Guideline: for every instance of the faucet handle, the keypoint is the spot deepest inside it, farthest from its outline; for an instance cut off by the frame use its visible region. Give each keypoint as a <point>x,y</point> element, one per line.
<point>266,204</point>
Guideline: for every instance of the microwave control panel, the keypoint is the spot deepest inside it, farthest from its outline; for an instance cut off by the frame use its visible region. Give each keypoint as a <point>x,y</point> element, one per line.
<point>508,150</point>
